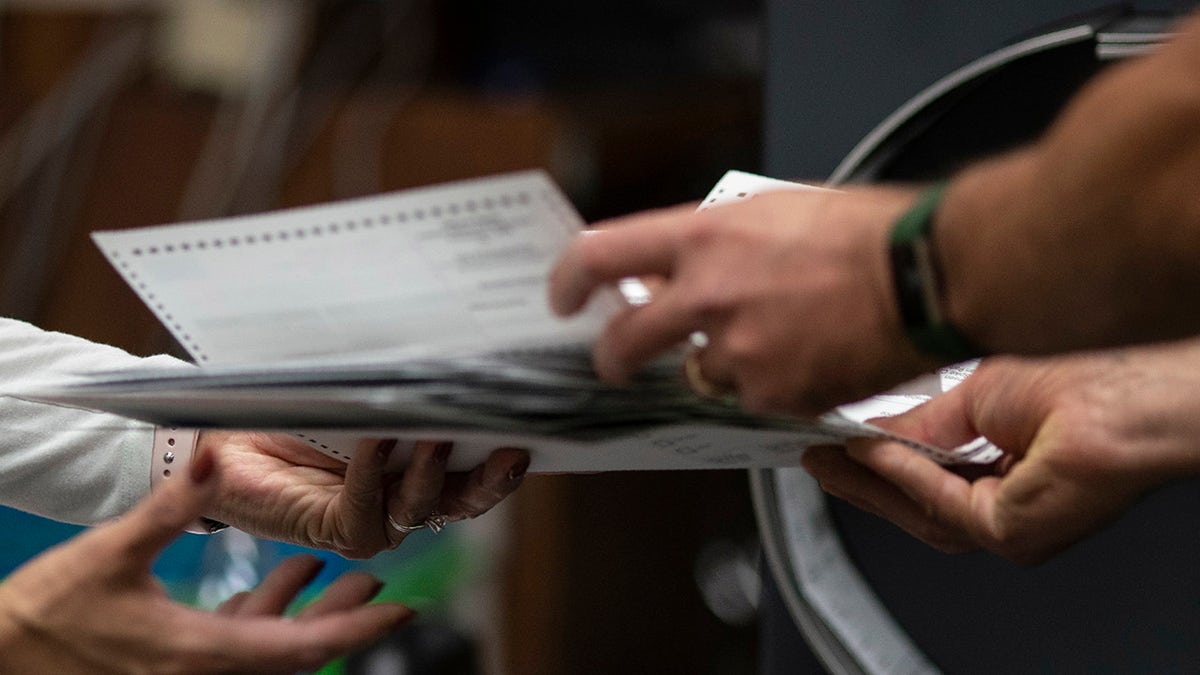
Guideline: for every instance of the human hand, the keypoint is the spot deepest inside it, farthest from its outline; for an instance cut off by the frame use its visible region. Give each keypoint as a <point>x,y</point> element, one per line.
<point>792,289</point>
<point>91,605</point>
<point>276,486</point>
<point>1084,436</point>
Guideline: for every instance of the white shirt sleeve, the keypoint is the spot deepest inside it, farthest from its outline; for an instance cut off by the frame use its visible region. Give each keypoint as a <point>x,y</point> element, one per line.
<point>65,463</point>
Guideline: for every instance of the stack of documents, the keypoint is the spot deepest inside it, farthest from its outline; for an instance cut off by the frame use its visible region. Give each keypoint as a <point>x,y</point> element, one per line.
<point>423,315</point>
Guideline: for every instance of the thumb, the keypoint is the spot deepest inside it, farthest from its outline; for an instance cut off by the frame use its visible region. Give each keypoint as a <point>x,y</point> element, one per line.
<point>160,517</point>
<point>943,421</point>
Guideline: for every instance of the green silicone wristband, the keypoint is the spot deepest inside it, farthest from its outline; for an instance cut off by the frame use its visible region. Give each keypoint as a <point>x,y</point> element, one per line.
<point>917,282</point>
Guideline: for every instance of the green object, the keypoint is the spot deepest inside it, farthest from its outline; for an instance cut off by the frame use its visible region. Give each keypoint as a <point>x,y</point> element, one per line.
<point>917,281</point>
<point>425,579</point>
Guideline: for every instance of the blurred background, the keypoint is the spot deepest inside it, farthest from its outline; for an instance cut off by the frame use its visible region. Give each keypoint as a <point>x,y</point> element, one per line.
<point>125,113</point>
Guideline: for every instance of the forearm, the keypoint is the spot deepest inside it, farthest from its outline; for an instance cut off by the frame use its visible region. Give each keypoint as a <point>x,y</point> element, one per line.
<point>66,463</point>
<point>1090,236</point>
<point>1133,413</point>
<point>1149,404</point>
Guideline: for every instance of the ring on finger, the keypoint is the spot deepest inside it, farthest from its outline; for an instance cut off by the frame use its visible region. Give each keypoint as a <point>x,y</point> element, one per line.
<point>436,522</point>
<point>405,529</point>
<point>700,384</point>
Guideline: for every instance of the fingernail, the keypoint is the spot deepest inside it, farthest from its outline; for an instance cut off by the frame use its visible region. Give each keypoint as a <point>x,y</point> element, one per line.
<point>518,470</point>
<point>202,467</point>
<point>442,453</point>
<point>314,572</point>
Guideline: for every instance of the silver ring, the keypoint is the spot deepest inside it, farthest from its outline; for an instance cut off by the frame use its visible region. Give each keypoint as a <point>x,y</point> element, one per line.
<point>436,522</point>
<point>405,529</point>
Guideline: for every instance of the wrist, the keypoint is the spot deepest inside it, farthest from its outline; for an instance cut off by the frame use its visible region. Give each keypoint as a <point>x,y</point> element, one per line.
<point>992,253</point>
<point>1147,394</point>
<point>171,459</point>
<point>891,346</point>
<point>171,455</point>
<point>918,281</point>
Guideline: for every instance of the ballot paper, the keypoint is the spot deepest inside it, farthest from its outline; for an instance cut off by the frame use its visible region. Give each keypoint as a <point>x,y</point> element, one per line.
<point>422,314</point>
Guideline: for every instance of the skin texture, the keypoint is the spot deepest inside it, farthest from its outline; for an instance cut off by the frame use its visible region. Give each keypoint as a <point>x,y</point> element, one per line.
<point>1085,436</point>
<point>1084,239</point>
<point>91,604</point>
<point>1098,219</point>
<point>278,487</point>
<point>731,272</point>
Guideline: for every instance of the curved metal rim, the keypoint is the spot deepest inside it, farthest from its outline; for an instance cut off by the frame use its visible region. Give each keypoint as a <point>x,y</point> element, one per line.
<point>945,85</point>
<point>830,648</point>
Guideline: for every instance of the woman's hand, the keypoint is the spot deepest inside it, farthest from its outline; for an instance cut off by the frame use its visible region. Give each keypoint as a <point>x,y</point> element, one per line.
<point>91,605</point>
<point>276,486</point>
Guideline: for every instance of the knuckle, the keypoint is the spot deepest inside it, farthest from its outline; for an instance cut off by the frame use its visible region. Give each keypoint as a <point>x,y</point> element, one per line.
<point>411,515</point>
<point>702,231</point>
<point>465,508</point>
<point>590,260</point>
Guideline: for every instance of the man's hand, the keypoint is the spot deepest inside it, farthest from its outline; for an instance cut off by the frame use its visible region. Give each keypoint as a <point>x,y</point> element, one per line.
<point>792,288</point>
<point>1084,437</point>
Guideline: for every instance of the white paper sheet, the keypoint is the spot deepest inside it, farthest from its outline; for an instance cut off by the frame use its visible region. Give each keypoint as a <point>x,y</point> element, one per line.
<point>452,267</point>
<point>453,270</point>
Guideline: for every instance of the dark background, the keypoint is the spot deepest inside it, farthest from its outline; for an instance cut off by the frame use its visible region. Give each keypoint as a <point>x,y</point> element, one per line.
<point>629,105</point>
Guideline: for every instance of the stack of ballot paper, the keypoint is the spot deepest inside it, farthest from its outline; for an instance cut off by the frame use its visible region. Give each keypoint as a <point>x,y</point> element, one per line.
<point>423,314</point>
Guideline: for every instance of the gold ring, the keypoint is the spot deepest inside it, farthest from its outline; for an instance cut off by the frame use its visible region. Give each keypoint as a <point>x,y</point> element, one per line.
<point>700,384</point>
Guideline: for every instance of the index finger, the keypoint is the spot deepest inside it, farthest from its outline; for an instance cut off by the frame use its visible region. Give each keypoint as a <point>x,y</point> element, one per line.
<point>638,245</point>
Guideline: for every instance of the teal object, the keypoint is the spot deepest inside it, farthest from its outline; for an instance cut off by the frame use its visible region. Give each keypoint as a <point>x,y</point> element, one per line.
<point>424,573</point>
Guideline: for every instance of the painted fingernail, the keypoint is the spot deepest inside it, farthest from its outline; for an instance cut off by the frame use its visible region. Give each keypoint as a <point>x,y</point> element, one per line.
<point>314,571</point>
<point>202,467</point>
<point>442,452</point>
<point>518,470</point>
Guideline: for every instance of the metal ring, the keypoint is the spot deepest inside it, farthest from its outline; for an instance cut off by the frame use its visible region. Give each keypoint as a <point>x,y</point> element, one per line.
<point>405,529</point>
<point>700,384</point>
<point>436,522</point>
